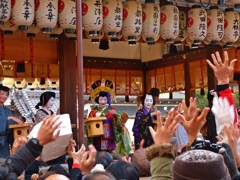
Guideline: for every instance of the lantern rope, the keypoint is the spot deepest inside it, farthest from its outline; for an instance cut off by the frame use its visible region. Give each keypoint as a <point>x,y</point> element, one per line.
<point>201,69</point>
<point>209,2</point>
<point>2,46</point>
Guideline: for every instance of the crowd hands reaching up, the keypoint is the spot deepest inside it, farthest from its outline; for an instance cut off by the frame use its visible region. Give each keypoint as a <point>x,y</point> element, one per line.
<point>195,159</point>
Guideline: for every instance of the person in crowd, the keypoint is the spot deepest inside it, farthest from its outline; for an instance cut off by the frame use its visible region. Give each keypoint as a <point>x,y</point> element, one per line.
<point>102,93</point>
<point>104,158</point>
<point>99,175</point>
<point>46,103</point>
<point>143,120</point>
<point>7,118</point>
<point>124,170</point>
<point>20,160</point>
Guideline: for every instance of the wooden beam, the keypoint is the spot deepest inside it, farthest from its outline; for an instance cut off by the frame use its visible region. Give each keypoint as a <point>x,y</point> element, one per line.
<point>67,69</point>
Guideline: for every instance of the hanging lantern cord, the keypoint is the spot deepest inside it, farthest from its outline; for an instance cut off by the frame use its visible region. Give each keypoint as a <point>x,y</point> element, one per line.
<point>209,1</point>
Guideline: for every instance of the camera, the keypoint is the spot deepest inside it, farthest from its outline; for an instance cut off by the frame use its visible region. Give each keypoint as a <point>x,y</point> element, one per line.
<point>206,145</point>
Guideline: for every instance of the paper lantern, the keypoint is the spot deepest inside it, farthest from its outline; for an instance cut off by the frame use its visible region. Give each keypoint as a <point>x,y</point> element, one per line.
<point>112,17</point>
<point>132,20</point>
<point>67,15</point>
<point>5,11</point>
<point>182,35</point>
<point>95,39</point>
<point>32,30</point>
<point>169,22</point>
<point>9,27</point>
<point>9,82</point>
<point>23,13</point>
<point>71,37</point>
<point>151,21</point>
<point>215,25</point>
<point>92,16</point>
<point>191,44</point>
<point>152,42</point>
<point>223,44</point>
<point>115,39</point>
<point>46,14</point>
<point>236,3</point>
<point>207,42</point>
<point>231,26</point>
<point>197,24</point>
<point>56,31</point>
<point>20,83</point>
<point>132,43</point>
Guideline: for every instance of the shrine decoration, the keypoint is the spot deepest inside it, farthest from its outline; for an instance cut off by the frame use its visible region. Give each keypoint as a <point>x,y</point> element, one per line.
<point>132,20</point>
<point>46,14</point>
<point>231,26</point>
<point>151,21</point>
<point>116,38</point>
<point>92,16</point>
<point>169,22</point>
<point>67,15</point>
<point>223,44</point>
<point>9,82</point>
<point>197,24</point>
<point>132,43</point>
<point>56,31</point>
<point>20,83</point>
<point>95,39</point>
<point>182,35</point>
<point>9,27</point>
<point>71,37</point>
<point>32,30</point>
<point>191,44</point>
<point>112,17</point>
<point>236,3</point>
<point>23,13</point>
<point>152,42</point>
<point>5,11</point>
<point>215,25</point>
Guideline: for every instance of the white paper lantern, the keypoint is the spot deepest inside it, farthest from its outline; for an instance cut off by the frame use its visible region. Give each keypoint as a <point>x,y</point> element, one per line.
<point>56,31</point>
<point>207,42</point>
<point>92,16</point>
<point>169,22</point>
<point>67,15</point>
<point>197,24</point>
<point>46,14</point>
<point>236,3</point>
<point>132,20</point>
<point>182,35</point>
<point>231,27</point>
<point>23,13</point>
<point>5,11</point>
<point>9,27</point>
<point>112,17</point>
<point>95,39</point>
<point>215,25</point>
<point>153,42</point>
<point>115,39</point>
<point>33,29</point>
<point>132,43</point>
<point>151,21</point>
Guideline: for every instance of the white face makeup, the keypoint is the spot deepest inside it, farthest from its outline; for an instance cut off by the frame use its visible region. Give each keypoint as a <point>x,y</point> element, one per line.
<point>102,102</point>
<point>50,103</point>
<point>148,102</point>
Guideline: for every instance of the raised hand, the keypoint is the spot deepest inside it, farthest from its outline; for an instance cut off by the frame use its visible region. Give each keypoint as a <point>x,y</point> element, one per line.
<point>88,159</point>
<point>221,69</point>
<point>189,112</point>
<point>77,156</point>
<point>47,130</point>
<point>19,142</point>
<point>194,125</point>
<point>164,133</point>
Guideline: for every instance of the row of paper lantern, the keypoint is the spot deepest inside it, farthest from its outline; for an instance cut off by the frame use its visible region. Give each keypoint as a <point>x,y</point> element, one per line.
<point>31,83</point>
<point>115,19</point>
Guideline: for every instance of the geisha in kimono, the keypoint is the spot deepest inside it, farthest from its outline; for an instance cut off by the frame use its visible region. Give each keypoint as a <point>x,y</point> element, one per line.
<point>142,121</point>
<point>6,119</point>
<point>112,126</point>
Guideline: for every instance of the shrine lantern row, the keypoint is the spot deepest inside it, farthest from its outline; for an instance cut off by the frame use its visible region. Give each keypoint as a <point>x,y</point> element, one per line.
<point>129,21</point>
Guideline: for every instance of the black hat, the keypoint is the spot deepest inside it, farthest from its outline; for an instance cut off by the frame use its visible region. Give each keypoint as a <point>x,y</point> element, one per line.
<point>44,98</point>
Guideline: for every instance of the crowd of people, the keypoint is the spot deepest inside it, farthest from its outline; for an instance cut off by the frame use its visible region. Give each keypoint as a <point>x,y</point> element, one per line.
<point>175,149</point>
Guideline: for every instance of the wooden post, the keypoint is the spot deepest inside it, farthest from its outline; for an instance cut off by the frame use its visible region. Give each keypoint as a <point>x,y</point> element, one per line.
<point>67,74</point>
